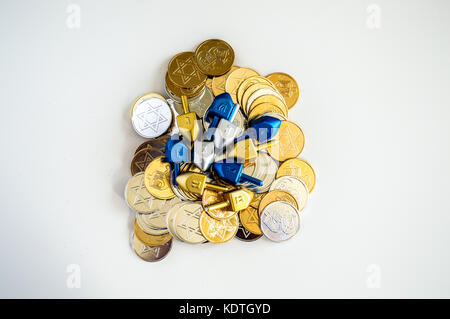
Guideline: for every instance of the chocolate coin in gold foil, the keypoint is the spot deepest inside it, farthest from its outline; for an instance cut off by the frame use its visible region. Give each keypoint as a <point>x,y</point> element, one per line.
<point>152,143</point>
<point>218,231</point>
<point>151,253</point>
<point>287,86</point>
<point>264,108</point>
<point>300,168</point>
<point>249,83</point>
<point>157,179</point>
<point>184,72</point>
<point>289,142</point>
<point>138,197</point>
<point>235,79</point>
<point>244,235</point>
<point>214,57</point>
<point>271,99</point>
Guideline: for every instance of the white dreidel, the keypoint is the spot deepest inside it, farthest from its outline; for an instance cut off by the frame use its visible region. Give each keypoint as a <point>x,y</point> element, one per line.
<point>203,154</point>
<point>225,133</point>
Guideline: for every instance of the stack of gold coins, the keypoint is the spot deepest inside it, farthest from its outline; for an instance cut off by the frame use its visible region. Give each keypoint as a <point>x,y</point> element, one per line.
<point>177,199</point>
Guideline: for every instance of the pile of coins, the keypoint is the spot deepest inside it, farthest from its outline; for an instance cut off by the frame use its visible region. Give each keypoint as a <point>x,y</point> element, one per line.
<point>220,158</point>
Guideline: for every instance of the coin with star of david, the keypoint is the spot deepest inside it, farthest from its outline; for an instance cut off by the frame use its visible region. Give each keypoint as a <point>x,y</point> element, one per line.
<point>151,117</point>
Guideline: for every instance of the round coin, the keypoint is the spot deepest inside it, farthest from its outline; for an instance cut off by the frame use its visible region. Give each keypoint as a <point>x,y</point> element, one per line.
<point>249,217</point>
<point>300,168</point>
<point>262,92</point>
<point>214,57</point>
<point>144,222</point>
<point>253,88</point>
<point>176,92</point>
<point>271,99</point>
<point>289,142</point>
<point>218,82</point>
<point>150,240</point>
<point>158,218</point>
<point>235,79</point>
<point>287,86</point>
<point>276,196</point>
<point>184,72</point>
<point>151,116</point>
<point>187,223</point>
<point>138,197</point>
<point>294,186</point>
<point>218,231</point>
<point>264,108</point>
<point>280,221</point>
<point>142,158</point>
<point>157,179</point>
<point>151,253</point>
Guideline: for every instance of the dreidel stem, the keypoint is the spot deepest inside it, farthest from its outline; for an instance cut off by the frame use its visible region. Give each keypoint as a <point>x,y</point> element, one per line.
<point>249,179</point>
<point>217,206</point>
<point>264,146</point>
<point>184,102</point>
<point>217,187</point>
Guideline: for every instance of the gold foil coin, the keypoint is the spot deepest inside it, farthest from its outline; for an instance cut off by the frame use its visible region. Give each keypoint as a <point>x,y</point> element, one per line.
<point>300,168</point>
<point>184,72</point>
<point>218,231</point>
<point>218,82</point>
<point>214,57</point>
<point>186,223</point>
<point>276,196</point>
<point>150,240</point>
<point>271,99</point>
<point>157,179</point>
<point>235,79</point>
<point>289,142</point>
<point>138,197</point>
<point>264,108</point>
<point>287,86</point>
<point>252,89</point>
<point>250,217</point>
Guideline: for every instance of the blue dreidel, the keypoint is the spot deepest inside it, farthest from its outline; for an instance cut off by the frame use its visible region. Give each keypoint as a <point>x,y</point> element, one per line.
<point>221,108</point>
<point>232,173</point>
<point>177,152</point>
<point>263,129</point>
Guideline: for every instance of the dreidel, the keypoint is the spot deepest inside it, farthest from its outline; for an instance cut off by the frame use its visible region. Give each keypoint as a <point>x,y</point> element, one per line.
<point>195,183</point>
<point>246,149</point>
<point>188,122</point>
<point>177,152</point>
<point>226,133</point>
<point>233,173</point>
<point>237,200</point>
<point>262,129</point>
<point>221,108</point>
<point>203,154</point>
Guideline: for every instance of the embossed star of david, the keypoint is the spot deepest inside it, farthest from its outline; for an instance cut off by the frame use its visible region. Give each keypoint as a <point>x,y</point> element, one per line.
<point>186,70</point>
<point>139,192</point>
<point>253,217</point>
<point>190,231</point>
<point>151,118</point>
<point>143,164</point>
<point>148,249</point>
<point>245,232</point>
<point>216,230</point>
<point>291,146</point>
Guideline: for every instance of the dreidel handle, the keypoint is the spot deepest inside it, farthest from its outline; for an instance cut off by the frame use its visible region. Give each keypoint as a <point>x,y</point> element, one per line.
<point>184,102</point>
<point>217,187</point>
<point>260,147</point>
<point>217,206</point>
<point>249,179</point>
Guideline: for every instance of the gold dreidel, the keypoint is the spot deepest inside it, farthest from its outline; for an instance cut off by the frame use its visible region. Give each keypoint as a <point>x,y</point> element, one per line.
<point>188,122</point>
<point>246,149</point>
<point>238,200</point>
<point>196,183</point>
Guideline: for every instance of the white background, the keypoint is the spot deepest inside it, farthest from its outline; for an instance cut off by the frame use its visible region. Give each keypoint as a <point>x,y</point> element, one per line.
<point>375,110</point>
